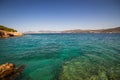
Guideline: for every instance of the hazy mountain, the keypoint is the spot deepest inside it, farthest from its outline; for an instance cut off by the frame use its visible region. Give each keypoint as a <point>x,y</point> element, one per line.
<point>109,30</point>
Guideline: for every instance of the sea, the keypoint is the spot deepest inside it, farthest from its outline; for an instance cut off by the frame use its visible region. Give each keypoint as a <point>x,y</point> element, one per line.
<point>85,56</point>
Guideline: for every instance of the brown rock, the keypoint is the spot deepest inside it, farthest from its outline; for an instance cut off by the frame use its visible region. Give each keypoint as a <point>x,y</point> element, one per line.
<point>8,71</point>
<point>5,34</point>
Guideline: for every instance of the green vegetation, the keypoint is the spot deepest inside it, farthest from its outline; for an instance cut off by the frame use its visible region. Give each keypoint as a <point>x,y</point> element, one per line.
<point>7,29</point>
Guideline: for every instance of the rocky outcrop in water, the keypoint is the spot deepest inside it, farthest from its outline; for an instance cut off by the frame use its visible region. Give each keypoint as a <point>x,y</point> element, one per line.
<point>8,32</point>
<point>5,34</point>
<point>8,71</point>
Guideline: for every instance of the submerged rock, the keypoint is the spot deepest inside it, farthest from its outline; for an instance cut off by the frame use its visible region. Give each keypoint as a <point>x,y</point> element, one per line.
<point>8,71</point>
<point>84,68</point>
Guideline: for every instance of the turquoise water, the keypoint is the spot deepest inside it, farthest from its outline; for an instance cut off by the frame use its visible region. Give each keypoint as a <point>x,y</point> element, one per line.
<point>64,56</point>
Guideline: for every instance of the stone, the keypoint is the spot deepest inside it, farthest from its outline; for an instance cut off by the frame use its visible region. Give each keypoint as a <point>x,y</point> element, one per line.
<point>8,71</point>
<point>5,34</point>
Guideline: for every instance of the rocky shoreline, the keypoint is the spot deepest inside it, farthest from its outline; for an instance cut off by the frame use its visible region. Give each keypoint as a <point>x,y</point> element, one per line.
<point>9,71</point>
<point>6,34</point>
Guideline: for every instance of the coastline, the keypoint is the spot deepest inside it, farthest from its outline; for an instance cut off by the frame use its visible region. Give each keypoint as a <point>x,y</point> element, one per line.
<point>6,34</point>
<point>109,30</point>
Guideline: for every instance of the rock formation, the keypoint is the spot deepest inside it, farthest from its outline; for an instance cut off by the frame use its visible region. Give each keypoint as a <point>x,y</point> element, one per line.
<point>8,32</point>
<point>8,71</point>
<point>5,34</point>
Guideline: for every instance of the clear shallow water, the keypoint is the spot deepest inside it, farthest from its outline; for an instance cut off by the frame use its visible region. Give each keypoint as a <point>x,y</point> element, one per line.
<point>64,56</point>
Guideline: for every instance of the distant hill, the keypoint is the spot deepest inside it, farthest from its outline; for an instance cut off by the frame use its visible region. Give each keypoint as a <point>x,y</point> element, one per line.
<point>110,30</point>
<point>8,32</point>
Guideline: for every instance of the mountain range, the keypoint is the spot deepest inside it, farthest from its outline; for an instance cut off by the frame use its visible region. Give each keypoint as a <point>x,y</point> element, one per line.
<point>109,30</point>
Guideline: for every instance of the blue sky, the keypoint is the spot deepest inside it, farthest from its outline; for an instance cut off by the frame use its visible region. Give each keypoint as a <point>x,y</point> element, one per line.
<point>35,15</point>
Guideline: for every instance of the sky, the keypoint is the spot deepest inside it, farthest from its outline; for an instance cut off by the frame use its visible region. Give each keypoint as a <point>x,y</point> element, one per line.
<point>57,15</point>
